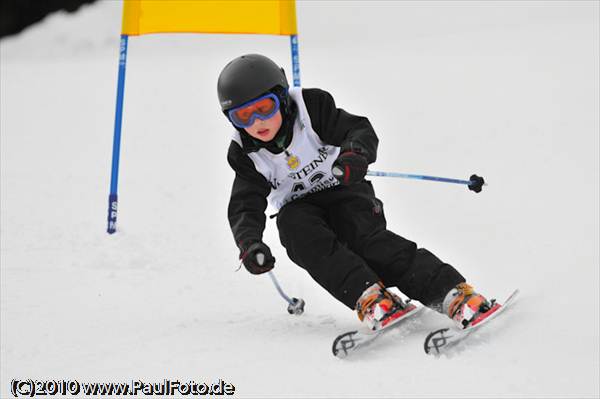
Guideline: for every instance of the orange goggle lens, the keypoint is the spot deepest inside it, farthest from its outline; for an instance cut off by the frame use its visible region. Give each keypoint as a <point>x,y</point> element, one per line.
<point>263,108</point>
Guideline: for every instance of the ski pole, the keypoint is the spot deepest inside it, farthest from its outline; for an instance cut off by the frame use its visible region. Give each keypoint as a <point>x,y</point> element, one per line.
<point>475,183</point>
<point>295,305</point>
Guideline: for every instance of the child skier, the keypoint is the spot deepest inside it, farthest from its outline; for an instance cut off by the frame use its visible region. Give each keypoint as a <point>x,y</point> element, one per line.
<point>309,159</point>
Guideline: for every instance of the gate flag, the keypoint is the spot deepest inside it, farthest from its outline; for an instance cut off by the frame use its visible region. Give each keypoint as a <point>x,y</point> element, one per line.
<point>275,17</point>
<point>141,17</point>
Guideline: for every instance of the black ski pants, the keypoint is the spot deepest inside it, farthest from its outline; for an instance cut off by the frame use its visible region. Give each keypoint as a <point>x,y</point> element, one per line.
<point>339,236</point>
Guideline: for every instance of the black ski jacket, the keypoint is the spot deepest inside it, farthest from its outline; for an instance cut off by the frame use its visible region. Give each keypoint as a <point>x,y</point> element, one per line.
<point>250,189</point>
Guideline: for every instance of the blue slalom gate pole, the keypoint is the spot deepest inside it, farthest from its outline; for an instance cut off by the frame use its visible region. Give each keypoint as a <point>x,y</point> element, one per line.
<point>475,183</point>
<point>295,60</point>
<point>114,177</point>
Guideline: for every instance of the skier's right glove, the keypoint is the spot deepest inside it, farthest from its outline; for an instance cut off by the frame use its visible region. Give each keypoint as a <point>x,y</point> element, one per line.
<point>350,167</point>
<point>257,258</point>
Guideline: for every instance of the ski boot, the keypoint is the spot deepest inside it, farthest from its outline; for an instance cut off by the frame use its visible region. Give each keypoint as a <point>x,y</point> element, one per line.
<point>379,308</point>
<point>466,307</point>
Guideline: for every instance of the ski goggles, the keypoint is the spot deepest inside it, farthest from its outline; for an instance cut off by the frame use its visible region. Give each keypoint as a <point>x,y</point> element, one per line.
<point>263,108</point>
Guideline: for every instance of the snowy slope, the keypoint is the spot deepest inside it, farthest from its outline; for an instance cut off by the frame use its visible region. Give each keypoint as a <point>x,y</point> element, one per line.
<point>508,90</point>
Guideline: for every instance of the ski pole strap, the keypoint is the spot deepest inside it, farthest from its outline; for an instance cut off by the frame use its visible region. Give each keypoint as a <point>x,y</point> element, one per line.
<point>475,183</point>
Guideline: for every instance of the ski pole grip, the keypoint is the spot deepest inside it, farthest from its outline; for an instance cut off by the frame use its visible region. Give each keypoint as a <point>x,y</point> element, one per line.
<point>477,183</point>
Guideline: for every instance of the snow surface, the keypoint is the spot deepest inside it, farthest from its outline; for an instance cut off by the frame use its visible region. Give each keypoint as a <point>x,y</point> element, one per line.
<point>508,90</point>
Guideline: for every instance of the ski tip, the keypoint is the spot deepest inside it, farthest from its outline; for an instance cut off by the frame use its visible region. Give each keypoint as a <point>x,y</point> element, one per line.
<point>343,344</point>
<point>339,354</point>
<point>435,343</point>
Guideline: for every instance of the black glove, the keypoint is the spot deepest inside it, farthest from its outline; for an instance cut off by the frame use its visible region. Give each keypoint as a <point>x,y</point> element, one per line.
<point>350,167</point>
<point>257,258</point>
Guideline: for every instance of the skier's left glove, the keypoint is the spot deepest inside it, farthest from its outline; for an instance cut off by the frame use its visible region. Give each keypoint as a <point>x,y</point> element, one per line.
<point>350,167</point>
<point>257,258</point>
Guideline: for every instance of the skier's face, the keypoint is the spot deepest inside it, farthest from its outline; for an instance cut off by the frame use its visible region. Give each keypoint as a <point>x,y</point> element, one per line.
<point>267,129</point>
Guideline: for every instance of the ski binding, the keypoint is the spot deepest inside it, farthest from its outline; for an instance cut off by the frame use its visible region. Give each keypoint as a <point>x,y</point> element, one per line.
<point>438,342</point>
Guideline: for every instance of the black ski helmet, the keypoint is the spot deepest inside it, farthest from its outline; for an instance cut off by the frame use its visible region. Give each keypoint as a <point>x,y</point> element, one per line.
<point>248,77</point>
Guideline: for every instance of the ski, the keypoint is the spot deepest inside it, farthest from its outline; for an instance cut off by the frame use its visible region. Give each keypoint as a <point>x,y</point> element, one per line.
<point>438,342</point>
<point>350,341</point>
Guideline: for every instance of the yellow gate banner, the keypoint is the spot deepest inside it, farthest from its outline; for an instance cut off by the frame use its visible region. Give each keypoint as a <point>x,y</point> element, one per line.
<point>274,17</point>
